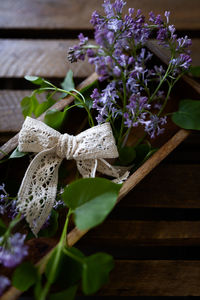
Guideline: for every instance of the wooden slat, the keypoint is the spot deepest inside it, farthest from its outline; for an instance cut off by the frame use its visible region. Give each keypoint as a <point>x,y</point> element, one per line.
<point>48,58</point>
<point>62,14</point>
<point>154,278</point>
<point>121,233</point>
<point>39,57</point>
<point>181,182</point>
<point>11,117</point>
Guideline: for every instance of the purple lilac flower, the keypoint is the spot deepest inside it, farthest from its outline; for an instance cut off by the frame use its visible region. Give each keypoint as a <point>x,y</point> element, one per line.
<point>105,103</point>
<point>7,206</point>
<point>181,62</point>
<point>4,283</point>
<point>13,250</point>
<point>183,43</point>
<point>118,6</point>
<point>121,58</point>
<point>78,51</point>
<point>152,126</point>
<point>167,14</point>
<point>135,110</point>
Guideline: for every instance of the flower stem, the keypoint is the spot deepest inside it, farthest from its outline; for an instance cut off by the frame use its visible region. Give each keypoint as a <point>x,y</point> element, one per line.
<point>123,110</point>
<point>160,84</point>
<point>57,252</point>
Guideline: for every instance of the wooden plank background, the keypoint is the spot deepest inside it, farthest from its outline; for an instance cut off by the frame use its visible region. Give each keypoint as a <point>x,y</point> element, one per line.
<point>154,232</point>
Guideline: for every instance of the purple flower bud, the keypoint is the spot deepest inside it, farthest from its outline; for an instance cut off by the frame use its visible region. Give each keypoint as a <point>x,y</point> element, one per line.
<point>83,40</point>
<point>131,11</point>
<point>90,53</point>
<point>13,250</point>
<point>131,60</point>
<point>118,6</point>
<point>110,37</point>
<point>4,283</point>
<point>95,94</point>
<point>152,17</point>
<point>108,8</point>
<point>167,14</point>
<point>116,71</point>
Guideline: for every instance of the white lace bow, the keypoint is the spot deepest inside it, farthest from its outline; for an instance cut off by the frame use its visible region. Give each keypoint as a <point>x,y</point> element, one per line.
<point>37,193</point>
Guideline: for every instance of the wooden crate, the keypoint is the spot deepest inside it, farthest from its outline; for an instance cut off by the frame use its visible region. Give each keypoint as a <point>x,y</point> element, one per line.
<point>136,273</point>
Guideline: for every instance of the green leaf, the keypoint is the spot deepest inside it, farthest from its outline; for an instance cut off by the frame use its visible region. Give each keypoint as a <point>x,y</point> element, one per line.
<point>28,105</point>
<point>91,200</point>
<point>71,262</point>
<point>68,83</point>
<point>55,118</point>
<point>188,115</point>
<point>127,155</point>
<point>37,80</point>
<point>24,276</point>
<point>143,152</point>
<point>52,227</point>
<point>195,71</point>
<point>38,288</point>
<point>42,107</point>
<point>74,269</point>
<point>68,294</point>
<point>3,227</point>
<point>17,154</point>
<point>96,270</point>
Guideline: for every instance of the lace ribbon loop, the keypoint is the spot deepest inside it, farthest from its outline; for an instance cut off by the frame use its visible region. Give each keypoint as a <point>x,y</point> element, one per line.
<point>37,193</point>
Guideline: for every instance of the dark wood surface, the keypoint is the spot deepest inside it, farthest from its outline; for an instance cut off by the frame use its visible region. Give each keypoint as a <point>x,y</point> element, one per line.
<point>154,232</point>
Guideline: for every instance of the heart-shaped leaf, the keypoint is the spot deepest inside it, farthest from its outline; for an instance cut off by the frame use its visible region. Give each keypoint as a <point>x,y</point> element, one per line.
<point>127,155</point>
<point>195,71</point>
<point>91,200</point>
<point>24,276</point>
<point>68,83</point>
<point>96,269</point>
<point>68,294</point>
<point>188,115</point>
<point>54,118</point>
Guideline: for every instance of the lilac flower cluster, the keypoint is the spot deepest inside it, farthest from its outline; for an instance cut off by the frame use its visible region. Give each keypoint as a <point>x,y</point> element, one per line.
<point>120,57</point>
<point>4,283</point>
<point>178,46</point>
<point>7,206</point>
<point>13,250</point>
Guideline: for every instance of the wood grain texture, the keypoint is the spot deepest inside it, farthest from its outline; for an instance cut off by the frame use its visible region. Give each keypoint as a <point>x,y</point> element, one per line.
<point>154,278</point>
<point>181,181</point>
<point>39,57</point>
<point>11,117</point>
<point>50,14</point>
<point>123,233</point>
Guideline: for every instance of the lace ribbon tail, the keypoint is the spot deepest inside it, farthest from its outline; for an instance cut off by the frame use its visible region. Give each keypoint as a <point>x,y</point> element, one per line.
<point>37,193</point>
<point>119,172</point>
<point>87,167</point>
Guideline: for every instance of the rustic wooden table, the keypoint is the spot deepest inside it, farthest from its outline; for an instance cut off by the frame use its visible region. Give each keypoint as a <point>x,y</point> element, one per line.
<point>154,233</point>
